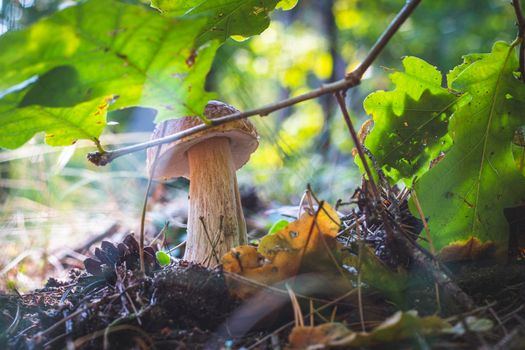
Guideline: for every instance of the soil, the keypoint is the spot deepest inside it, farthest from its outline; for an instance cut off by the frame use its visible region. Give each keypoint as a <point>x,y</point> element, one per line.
<point>187,306</point>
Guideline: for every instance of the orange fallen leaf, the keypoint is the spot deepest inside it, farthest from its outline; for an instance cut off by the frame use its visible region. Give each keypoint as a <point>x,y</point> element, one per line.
<point>304,234</point>
<point>310,240</point>
<point>244,262</point>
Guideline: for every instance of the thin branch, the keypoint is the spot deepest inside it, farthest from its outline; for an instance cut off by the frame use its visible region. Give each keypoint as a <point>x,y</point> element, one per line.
<point>429,238</point>
<point>521,35</point>
<point>144,207</point>
<point>385,37</point>
<point>341,101</point>
<point>351,80</point>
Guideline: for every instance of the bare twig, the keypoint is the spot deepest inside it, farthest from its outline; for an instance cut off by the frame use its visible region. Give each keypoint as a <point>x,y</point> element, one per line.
<point>210,241</point>
<point>341,101</point>
<point>145,204</point>
<point>385,37</point>
<point>521,35</point>
<point>351,80</point>
<point>429,237</point>
<point>359,276</point>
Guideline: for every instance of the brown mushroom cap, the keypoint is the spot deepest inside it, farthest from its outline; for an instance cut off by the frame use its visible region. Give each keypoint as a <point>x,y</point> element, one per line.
<point>173,159</point>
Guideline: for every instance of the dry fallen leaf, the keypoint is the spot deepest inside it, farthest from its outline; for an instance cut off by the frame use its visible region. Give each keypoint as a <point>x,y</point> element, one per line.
<point>400,326</point>
<point>310,240</point>
<point>304,235</point>
<point>471,249</point>
<point>244,262</point>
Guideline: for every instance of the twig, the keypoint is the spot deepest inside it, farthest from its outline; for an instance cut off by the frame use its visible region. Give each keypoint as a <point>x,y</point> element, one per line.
<point>183,243</point>
<point>376,194</point>
<point>521,35</point>
<point>145,204</point>
<point>341,101</point>
<point>359,271</point>
<point>351,80</point>
<point>440,275</point>
<point>427,231</point>
<point>213,251</point>
<point>385,37</point>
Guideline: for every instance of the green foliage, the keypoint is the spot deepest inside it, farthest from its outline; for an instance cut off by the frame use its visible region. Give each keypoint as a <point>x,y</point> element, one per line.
<point>107,48</point>
<point>163,258</point>
<point>410,122</point>
<point>464,195</point>
<point>377,275</point>
<point>63,126</point>
<point>224,18</point>
<point>278,226</point>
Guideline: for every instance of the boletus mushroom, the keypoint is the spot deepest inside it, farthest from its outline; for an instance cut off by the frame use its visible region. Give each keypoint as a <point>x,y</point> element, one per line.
<point>209,159</point>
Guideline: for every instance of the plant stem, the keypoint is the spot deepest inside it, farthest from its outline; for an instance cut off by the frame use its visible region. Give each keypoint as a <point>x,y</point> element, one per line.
<point>351,80</point>
<point>144,206</point>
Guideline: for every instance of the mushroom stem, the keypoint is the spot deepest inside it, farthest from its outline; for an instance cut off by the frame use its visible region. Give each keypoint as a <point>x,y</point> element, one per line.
<point>215,221</point>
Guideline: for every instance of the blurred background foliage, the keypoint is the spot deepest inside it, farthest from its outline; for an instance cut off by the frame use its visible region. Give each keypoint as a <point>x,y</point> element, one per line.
<point>52,200</point>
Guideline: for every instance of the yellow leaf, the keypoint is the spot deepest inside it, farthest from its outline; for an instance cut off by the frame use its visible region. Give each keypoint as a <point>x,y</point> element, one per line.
<point>310,241</point>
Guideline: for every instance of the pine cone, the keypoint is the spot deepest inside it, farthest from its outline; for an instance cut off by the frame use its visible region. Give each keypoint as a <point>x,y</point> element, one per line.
<point>126,254</point>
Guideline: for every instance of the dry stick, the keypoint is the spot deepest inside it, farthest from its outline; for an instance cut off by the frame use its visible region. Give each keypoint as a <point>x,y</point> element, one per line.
<point>521,35</point>
<point>408,245</point>
<point>376,194</point>
<point>359,288</point>
<point>351,80</point>
<point>427,231</point>
<point>213,251</point>
<point>311,305</point>
<point>298,315</point>
<point>143,214</point>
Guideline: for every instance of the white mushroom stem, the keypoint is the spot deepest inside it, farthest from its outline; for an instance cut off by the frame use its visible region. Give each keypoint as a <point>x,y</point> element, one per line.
<point>215,221</point>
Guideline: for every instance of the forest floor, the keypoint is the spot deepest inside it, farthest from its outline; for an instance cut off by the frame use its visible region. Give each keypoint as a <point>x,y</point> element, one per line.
<point>112,305</point>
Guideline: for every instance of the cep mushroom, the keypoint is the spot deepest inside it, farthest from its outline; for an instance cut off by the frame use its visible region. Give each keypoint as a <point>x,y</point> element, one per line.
<point>209,160</point>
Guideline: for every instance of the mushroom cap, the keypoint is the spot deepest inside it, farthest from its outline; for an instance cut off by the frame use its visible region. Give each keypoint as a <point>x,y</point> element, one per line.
<point>173,157</point>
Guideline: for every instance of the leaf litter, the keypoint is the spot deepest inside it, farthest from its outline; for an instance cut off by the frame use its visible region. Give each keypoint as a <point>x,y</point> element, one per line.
<point>312,268</point>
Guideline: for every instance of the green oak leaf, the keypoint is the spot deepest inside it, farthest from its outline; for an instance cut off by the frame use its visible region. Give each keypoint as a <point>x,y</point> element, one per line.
<point>464,195</point>
<point>104,48</point>
<point>467,61</point>
<point>410,122</point>
<point>99,49</point>
<point>224,17</point>
<point>63,126</point>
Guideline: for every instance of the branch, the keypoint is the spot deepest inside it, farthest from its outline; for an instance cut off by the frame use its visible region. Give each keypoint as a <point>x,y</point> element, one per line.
<point>351,80</point>
<point>521,35</point>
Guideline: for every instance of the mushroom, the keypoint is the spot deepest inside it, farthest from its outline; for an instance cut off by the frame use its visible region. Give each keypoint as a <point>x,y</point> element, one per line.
<point>209,160</point>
